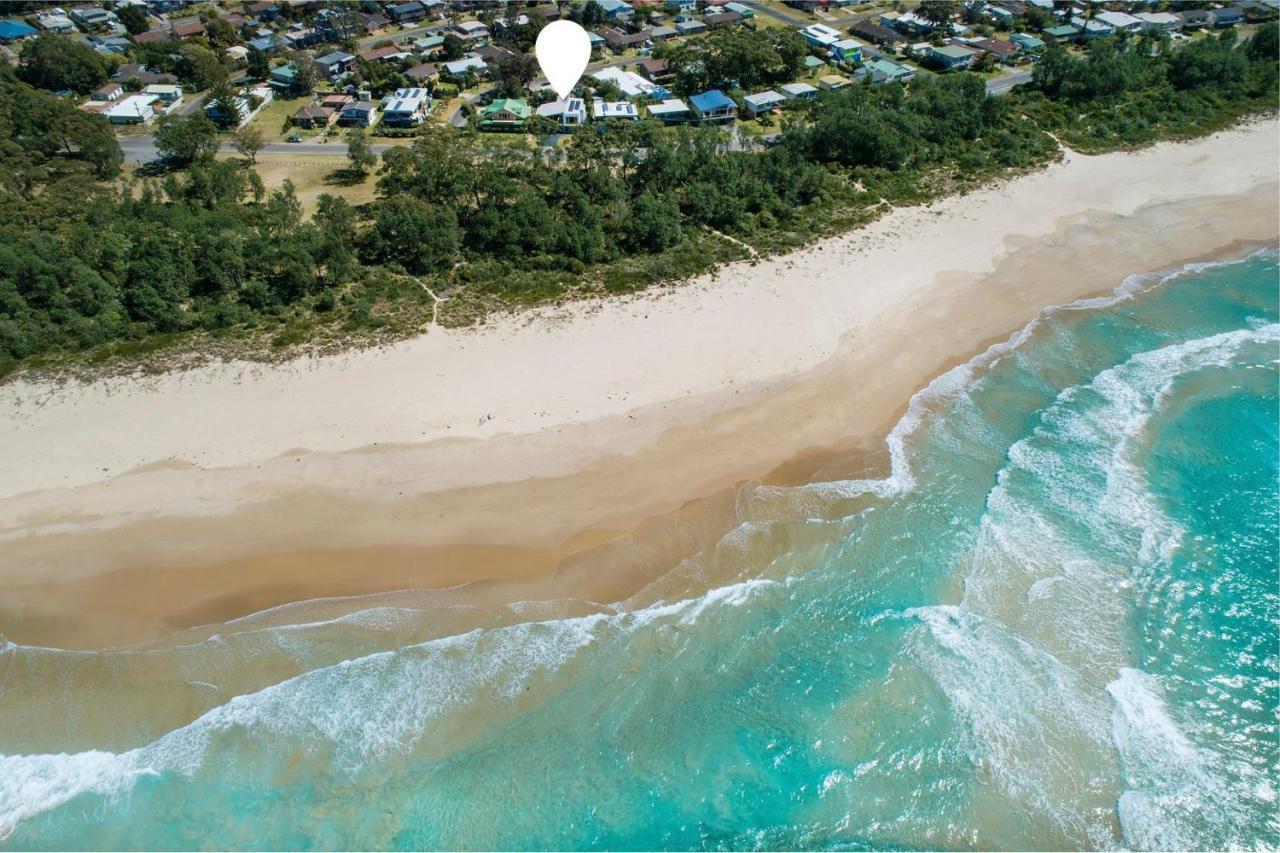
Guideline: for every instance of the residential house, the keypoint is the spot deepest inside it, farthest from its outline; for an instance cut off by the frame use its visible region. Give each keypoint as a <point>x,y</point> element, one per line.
<point>1194,19</point>
<point>406,107</point>
<point>741,8</point>
<point>167,94</point>
<point>1121,22</point>
<point>93,18</point>
<point>11,31</point>
<point>689,28</point>
<point>798,91</point>
<point>812,63</point>
<point>663,33</point>
<point>950,57</point>
<point>620,40</point>
<point>152,37</point>
<point>1229,16</point>
<point>135,109</point>
<point>436,8</point>
<point>237,52</point>
<point>107,92</point>
<point>999,15</point>
<point>463,67</point>
<point>283,78</point>
<point>268,44</point>
<point>505,114</point>
<point>263,11</point>
<point>670,111</point>
<point>1061,33</point>
<point>887,71</point>
<point>820,36</point>
<point>876,33</point>
<point>390,53</point>
<point>313,117</point>
<point>55,21</point>
<point>372,21</point>
<point>423,73</point>
<point>335,64</point>
<point>680,5</point>
<point>723,19</point>
<point>428,45</point>
<point>847,50</point>
<point>713,106</point>
<point>187,30</point>
<point>1092,28</point>
<point>1159,22</point>
<point>1000,49</point>
<point>336,102</point>
<point>549,12</point>
<point>298,37</point>
<point>907,22</point>
<point>569,112</point>
<point>616,10</point>
<point>602,110</point>
<point>1027,43</point>
<point>833,81</point>
<point>406,13</point>
<point>358,114</point>
<point>762,102</point>
<point>656,71</point>
<point>492,54</point>
<point>471,30</point>
<point>631,84</point>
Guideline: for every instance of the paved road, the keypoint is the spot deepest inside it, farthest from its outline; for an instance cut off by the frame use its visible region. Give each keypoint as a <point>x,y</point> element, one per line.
<point>1003,85</point>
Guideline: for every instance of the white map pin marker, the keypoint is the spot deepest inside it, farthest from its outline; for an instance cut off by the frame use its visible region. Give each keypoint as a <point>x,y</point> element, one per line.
<point>563,51</point>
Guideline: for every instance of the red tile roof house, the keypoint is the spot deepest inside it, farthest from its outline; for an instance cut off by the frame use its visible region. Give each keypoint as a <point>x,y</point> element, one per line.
<point>188,29</point>
<point>619,41</point>
<point>152,36</point>
<point>380,54</point>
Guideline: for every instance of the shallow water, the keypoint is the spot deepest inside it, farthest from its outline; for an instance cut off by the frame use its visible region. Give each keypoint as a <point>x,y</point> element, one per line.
<point>1053,625</point>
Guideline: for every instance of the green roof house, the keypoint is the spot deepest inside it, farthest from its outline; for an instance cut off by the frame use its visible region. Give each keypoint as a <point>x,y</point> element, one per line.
<point>1027,42</point>
<point>505,113</point>
<point>951,57</point>
<point>1065,32</point>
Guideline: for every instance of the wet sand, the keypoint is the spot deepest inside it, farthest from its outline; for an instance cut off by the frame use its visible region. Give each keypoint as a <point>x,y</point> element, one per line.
<point>137,508</point>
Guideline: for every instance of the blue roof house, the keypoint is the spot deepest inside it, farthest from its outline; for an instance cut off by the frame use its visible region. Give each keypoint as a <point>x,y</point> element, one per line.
<point>15,31</point>
<point>615,10</point>
<point>713,106</point>
<point>681,5</point>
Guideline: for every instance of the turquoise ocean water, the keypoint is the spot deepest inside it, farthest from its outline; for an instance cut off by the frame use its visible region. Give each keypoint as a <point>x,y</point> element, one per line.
<point>1054,625</point>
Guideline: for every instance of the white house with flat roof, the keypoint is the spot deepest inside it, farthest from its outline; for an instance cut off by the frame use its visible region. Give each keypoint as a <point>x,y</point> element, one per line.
<point>602,110</point>
<point>820,35</point>
<point>671,110</point>
<point>762,102</point>
<point>799,91</point>
<point>135,109</point>
<point>405,107</point>
<point>1120,21</point>
<point>569,112</point>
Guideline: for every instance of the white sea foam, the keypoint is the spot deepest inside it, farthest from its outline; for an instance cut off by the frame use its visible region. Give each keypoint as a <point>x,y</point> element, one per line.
<point>360,709</point>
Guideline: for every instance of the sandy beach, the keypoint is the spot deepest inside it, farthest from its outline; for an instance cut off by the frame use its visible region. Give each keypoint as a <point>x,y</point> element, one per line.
<point>134,507</point>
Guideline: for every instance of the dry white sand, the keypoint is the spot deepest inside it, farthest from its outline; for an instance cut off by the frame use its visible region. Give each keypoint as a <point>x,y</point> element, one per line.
<point>536,428</point>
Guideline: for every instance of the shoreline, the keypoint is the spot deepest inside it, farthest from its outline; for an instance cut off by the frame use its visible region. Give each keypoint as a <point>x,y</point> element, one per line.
<point>147,505</point>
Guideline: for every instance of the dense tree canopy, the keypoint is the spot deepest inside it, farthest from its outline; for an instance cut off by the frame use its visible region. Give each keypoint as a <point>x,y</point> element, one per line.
<point>732,58</point>
<point>50,61</point>
<point>85,263</point>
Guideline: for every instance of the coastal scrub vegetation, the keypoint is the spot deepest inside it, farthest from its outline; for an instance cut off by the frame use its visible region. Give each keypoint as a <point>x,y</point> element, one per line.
<point>95,264</point>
